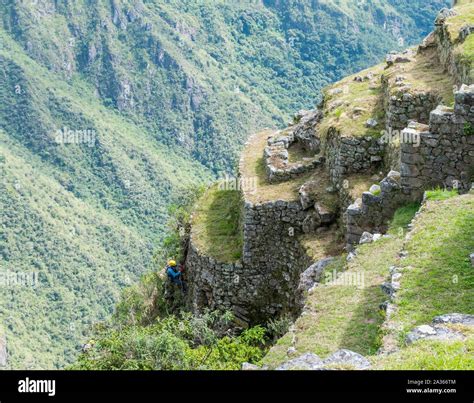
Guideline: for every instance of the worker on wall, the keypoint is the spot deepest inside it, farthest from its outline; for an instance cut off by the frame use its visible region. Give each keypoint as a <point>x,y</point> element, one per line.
<point>175,274</point>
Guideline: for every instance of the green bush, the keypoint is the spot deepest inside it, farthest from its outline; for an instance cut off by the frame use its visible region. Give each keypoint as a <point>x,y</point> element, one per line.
<point>183,342</point>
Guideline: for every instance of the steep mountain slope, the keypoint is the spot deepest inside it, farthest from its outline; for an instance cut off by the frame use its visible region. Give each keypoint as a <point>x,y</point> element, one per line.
<point>150,97</point>
<point>190,71</point>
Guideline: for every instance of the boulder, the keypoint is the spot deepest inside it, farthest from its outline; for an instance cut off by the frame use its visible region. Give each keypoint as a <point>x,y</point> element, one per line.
<point>366,237</point>
<point>388,289</point>
<point>375,189</point>
<point>455,318</point>
<point>313,274</point>
<point>350,256</point>
<point>428,42</point>
<point>424,332</point>
<point>327,217</point>
<point>377,237</point>
<point>371,123</point>
<point>307,196</point>
<point>250,367</point>
<point>394,175</point>
<point>312,222</point>
<point>307,361</point>
<point>347,358</point>
<point>397,58</point>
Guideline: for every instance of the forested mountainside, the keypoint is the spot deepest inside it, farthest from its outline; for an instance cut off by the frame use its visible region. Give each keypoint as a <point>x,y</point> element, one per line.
<point>109,109</point>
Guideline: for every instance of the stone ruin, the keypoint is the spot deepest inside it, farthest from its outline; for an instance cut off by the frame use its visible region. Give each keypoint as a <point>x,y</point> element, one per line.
<point>276,154</point>
<point>442,156</point>
<point>436,149</point>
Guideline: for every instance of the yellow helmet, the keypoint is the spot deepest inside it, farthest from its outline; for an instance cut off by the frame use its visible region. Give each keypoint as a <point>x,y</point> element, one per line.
<point>172,263</point>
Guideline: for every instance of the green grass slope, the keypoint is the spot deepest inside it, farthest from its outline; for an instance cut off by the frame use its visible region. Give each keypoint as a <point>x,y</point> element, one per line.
<point>201,75</point>
<point>437,279</point>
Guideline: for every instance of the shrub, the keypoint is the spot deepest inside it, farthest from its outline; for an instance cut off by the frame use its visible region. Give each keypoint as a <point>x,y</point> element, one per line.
<point>176,342</point>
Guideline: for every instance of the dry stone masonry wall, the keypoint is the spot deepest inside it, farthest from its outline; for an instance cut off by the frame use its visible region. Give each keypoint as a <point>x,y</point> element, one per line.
<point>461,71</point>
<point>348,155</point>
<point>303,133</point>
<point>374,211</point>
<point>403,107</point>
<point>445,155</point>
<point>266,283</point>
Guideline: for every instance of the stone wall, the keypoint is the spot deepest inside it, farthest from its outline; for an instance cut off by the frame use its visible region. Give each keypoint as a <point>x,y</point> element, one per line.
<point>348,155</point>
<point>445,154</point>
<point>460,71</point>
<point>442,157</point>
<point>374,211</point>
<point>272,248</point>
<point>216,285</point>
<point>266,283</point>
<point>401,108</point>
<point>276,153</point>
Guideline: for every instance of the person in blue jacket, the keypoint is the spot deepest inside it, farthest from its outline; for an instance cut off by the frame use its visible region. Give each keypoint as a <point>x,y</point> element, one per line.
<point>175,275</point>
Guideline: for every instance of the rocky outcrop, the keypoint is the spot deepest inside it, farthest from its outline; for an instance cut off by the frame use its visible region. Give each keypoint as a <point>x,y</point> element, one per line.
<point>439,329</point>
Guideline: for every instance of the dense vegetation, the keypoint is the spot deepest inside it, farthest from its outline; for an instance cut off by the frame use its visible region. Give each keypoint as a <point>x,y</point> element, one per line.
<point>181,342</point>
<point>162,95</point>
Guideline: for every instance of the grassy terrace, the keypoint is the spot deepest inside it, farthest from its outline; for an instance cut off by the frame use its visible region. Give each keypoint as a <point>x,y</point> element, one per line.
<point>424,74</point>
<point>359,183</point>
<point>464,51</point>
<point>328,243</point>
<point>253,171</point>
<point>347,316</point>
<point>216,225</point>
<point>349,104</point>
<point>438,279</point>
